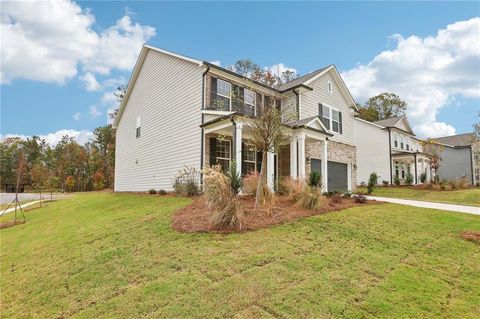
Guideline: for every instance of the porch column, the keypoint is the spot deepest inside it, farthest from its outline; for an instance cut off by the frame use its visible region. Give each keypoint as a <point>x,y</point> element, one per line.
<point>270,170</point>
<point>416,168</point>
<point>238,147</point>
<point>325,166</point>
<point>301,156</point>
<point>293,158</point>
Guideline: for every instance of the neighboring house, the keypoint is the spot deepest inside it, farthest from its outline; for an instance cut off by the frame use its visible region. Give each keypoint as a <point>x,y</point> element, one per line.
<point>388,147</point>
<point>460,157</point>
<point>181,111</point>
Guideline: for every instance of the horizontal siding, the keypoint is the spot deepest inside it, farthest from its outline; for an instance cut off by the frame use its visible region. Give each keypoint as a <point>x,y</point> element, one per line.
<point>309,106</point>
<point>168,97</point>
<point>372,152</point>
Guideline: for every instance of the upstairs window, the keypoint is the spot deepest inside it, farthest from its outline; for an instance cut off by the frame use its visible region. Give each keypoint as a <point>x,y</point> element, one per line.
<point>330,87</point>
<point>395,140</point>
<point>331,118</point>
<point>138,127</point>
<point>401,142</point>
<point>250,100</point>
<point>220,95</point>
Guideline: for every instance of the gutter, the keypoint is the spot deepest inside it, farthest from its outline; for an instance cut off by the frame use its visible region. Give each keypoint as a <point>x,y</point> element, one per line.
<point>202,142</point>
<point>471,165</point>
<point>416,173</point>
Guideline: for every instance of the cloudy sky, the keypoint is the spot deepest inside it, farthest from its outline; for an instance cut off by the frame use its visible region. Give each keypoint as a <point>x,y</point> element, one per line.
<point>61,60</point>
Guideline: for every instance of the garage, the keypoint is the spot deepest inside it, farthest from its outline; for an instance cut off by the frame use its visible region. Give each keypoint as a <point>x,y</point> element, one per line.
<point>337,174</point>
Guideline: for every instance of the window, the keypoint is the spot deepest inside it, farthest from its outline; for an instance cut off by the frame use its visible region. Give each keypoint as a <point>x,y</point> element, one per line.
<point>223,153</point>
<point>220,95</point>
<point>396,168</point>
<point>331,118</point>
<point>403,170</point>
<point>330,87</point>
<point>335,121</point>
<point>249,158</point>
<point>401,142</point>
<point>325,115</point>
<point>250,100</point>
<point>395,142</point>
<point>138,127</point>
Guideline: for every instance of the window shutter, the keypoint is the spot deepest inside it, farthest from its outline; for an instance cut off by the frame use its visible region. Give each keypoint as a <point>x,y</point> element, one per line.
<point>213,151</point>
<point>320,111</point>
<point>213,93</point>
<point>238,95</point>
<point>340,125</point>
<point>259,161</point>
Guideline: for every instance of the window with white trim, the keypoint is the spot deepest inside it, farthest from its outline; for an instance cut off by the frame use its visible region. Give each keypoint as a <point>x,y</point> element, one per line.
<point>138,127</point>
<point>401,142</point>
<point>395,140</point>
<point>223,152</point>
<point>335,121</point>
<point>331,118</point>
<point>330,87</point>
<point>221,95</point>
<point>250,101</point>
<point>249,158</point>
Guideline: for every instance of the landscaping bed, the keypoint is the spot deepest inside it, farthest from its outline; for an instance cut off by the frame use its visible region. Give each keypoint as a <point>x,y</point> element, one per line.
<point>195,217</point>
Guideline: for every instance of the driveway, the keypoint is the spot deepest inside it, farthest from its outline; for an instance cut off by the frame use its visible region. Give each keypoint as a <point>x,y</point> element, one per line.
<point>442,206</point>
<point>6,198</point>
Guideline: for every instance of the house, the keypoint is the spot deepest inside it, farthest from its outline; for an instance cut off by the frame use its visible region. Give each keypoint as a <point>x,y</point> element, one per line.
<point>389,148</point>
<point>182,111</point>
<point>460,157</point>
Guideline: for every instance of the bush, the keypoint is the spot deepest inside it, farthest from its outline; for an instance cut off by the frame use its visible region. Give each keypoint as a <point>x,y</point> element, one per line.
<point>385,183</point>
<point>337,198</point>
<point>435,187</point>
<point>235,179</point>
<point>311,198</point>
<point>152,191</point>
<point>314,179</point>
<point>423,177</point>
<point>360,198</point>
<point>220,199</point>
<point>396,180</point>
<point>347,195</point>
<point>372,182</point>
<point>162,192</point>
<point>187,180</point>
<point>250,182</point>
<point>463,183</point>
<point>409,179</point>
<point>291,187</point>
<point>447,187</point>
<point>363,184</point>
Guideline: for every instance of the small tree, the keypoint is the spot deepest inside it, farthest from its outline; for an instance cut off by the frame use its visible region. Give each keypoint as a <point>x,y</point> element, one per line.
<point>372,182</point>
<point>235,179</point>
<point>434,151</point>
<point>98,180</point>
<point>39,175</point>
<point>70,182</point>
<point>409,179</point>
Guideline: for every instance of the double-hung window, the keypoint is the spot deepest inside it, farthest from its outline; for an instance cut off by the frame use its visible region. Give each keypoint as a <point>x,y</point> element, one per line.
<point>220,97</point>
<point>401,142</point>
<point>336,121</point>
<point>331,118</point>
<point>223,151</point>
<point>249,159</point>
<point>395,140</point>
<point>250,100</point>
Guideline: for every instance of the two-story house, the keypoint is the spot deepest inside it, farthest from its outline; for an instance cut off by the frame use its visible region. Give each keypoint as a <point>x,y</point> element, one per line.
<point>389,148</point>
<point>181,111</point>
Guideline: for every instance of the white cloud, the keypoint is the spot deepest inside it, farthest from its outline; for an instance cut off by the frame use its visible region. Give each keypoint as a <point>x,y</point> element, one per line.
<point>91,83</point>
<point>279,68</point>
<point>48,41</point>
<point>81,137</point>
<point>216,62</point>
<point>76,116</point>
<point>427,72</point>
<point>94,112</point>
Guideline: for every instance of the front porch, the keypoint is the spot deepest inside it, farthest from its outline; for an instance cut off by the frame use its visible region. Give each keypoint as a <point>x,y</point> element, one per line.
<point>415,163</point>
<point>229,139</point>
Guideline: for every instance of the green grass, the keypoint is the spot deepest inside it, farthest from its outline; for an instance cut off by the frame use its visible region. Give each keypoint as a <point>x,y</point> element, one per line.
<point>115,256</point>
<point>462,197</point>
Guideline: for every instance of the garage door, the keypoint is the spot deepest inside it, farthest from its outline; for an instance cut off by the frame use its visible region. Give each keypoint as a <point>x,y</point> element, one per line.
<point>337,176</point>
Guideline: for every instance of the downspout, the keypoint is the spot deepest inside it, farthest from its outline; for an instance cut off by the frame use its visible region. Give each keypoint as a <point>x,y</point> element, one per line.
<point>297,99</point>
<point>234,140</point>
<point>471,165</point>
<point>415,158</point>
<point>390,154</point>
<point>203,121</point>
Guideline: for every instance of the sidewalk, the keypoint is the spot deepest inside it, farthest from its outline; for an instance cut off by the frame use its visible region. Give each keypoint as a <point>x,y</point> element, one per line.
<point>442,206</point>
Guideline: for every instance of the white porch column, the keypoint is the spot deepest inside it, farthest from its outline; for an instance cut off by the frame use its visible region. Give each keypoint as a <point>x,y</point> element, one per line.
<point>238,146</point>
<point>270,170</point>
<point>325,166</point>
<point>301,156</point>
<point>293,158</point>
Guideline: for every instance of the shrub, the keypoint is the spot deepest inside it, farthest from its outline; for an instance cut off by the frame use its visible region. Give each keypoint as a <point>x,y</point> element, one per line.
<point>235,179</point>
<point>311,198</point>
<point>448,187</point>
<point>396,180</point>
<point>186,181</point>
<point>220,199</point>
<point>372,182</point>
<point>337,198</point>
<point>385,183</point>
<point>291,187</point>
<point>314,180</point>
<point>347,195</point>
<point>250,182</point>
<point>409,179</point>
<point>435,187</point>
<point>267,196</point>
<point>360,198</point>
<point>152,191</point>
<point>423,177</point>
<point>463,183</point>
<point>363,184</point>
<point>162,192</point>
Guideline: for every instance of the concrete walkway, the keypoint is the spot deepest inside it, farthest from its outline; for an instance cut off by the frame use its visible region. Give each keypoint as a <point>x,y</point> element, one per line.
<point>442,206</point>
<point>23,206</point>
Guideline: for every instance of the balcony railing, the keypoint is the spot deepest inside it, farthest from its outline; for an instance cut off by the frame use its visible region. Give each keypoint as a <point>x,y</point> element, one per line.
<point>221,104</point>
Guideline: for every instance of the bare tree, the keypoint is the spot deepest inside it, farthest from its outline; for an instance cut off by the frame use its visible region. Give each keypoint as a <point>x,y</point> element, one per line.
<point>434,151</point>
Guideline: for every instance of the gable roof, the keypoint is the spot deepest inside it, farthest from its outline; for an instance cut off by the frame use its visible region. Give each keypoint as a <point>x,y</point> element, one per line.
<point>300,80</point>
<point>459,140</point>
<point>390,122</point>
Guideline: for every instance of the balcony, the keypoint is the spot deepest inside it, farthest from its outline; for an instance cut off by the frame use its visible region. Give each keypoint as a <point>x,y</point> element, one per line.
<point>220,103</point>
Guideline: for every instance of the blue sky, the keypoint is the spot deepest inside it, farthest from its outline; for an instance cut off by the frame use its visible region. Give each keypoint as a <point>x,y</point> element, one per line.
<point>303,36</point>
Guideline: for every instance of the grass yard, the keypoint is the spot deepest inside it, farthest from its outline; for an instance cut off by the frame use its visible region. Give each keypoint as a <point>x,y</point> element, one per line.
<point>462,197</point>
<point>106,255</point>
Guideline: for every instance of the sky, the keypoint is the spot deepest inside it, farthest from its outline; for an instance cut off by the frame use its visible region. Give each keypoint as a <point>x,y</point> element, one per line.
<point>62,60</point>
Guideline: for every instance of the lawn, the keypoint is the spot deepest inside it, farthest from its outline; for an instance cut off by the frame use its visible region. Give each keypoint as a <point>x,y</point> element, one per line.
<point>106,255</point>
<point>462,197</point>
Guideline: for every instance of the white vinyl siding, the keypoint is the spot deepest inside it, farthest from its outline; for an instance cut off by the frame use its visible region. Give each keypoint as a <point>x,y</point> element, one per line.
<point>309,106</point>
<point>168,97</point>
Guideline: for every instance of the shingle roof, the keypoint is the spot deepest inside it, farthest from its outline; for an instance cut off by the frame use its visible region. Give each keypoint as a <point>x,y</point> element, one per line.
<point>390,122</point>
<point>300,80</point>
<point>300,123</point>
<point>457,140</point>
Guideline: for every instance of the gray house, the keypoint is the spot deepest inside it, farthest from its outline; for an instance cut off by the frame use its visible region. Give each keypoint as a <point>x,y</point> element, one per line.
<point>182,111</point>
<point>459,157</point>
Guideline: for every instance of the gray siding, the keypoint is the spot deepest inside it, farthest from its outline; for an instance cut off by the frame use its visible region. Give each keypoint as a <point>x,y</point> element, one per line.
<point>309,106</point>
<point>456,163</point>
<point>168,97</point>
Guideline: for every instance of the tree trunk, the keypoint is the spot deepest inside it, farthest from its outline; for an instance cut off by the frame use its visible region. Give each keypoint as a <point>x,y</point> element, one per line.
<point>261,180</point>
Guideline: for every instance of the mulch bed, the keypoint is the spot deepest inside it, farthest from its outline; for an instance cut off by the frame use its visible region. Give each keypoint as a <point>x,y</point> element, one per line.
<point>195,217</point>
<point>471,236</point>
